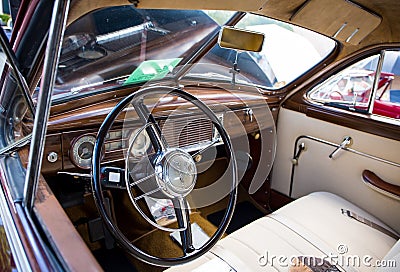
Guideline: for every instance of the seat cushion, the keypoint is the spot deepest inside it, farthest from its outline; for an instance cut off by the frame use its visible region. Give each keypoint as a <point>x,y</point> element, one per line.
<point>318,218</point>
<point>310,229</point>
<point>391,262</point>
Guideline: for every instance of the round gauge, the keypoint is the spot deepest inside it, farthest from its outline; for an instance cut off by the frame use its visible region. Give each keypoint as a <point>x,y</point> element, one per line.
<point>82,151</point>
<point>92,53</point>
<point>141,144</point>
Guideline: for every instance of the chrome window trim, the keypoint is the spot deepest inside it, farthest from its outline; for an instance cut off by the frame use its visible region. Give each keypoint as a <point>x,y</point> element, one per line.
<point>378,71</point>
<point>51,59</point>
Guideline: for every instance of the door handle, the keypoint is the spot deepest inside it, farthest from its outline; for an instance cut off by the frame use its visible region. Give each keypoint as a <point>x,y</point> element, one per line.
<point>347,141</point>
<point>375,182</point>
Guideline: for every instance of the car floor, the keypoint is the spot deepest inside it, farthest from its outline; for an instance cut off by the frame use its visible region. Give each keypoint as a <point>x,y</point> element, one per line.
<point>159,243</point>
<point>144,236</point>
<point>245,213</point>
<point>113,260</point>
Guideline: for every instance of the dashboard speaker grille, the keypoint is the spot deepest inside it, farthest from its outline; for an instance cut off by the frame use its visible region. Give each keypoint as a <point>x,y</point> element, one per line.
<point>186,131</point>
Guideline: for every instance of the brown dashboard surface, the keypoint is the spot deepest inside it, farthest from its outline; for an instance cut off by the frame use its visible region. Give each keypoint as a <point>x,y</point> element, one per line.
<point>84,117</point>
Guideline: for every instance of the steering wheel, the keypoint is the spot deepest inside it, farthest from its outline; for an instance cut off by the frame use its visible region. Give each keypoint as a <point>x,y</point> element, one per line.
<point>173,173</point>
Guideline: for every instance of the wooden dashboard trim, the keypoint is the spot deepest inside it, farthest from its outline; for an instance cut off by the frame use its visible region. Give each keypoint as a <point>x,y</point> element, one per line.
<point>90,112</point>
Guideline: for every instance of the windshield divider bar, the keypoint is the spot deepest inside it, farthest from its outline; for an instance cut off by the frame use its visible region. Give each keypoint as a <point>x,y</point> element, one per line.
<point>51,59</point>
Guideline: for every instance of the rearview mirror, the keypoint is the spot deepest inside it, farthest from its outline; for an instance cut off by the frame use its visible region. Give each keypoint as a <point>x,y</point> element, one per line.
<point>240,39</point>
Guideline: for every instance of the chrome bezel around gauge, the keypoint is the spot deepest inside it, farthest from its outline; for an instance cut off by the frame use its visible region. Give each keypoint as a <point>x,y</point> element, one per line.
<point>83,163</point>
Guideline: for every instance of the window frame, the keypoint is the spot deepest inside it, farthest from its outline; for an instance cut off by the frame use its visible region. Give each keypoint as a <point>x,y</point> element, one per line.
<point>368,112</point>
<point>297,100</point>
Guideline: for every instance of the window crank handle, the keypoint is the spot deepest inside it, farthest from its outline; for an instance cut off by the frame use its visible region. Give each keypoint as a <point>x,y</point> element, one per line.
<point>347,141</point>
<point>301,148</point>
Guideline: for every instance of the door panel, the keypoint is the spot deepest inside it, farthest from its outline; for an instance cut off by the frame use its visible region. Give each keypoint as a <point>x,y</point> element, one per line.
<point>341,175</point>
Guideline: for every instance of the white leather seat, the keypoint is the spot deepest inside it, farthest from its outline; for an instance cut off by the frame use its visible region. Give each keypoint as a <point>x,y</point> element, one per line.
<point>391,262</point>
<point>313,225</point>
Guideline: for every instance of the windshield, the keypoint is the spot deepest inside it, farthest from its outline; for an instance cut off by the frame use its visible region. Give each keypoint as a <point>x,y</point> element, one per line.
<point>288,52</point>
<point>122,45</point>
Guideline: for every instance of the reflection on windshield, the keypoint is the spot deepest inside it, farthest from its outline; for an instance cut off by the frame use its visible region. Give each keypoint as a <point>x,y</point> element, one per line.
<point>118,45</point>
<point>151,70</point>
<point>288,52</point>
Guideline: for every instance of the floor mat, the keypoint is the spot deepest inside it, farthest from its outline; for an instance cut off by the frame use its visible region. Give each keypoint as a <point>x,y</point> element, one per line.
<point>113,260</point>
<point>245,213</point>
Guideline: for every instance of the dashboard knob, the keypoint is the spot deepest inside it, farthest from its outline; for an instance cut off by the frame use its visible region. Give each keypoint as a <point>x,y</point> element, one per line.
<point>52,157</point>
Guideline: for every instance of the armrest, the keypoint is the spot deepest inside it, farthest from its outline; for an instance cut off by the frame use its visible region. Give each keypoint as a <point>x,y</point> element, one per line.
<point>372,180</point>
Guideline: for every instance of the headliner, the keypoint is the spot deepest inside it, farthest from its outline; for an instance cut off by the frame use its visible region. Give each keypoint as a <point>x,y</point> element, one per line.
<point>387,31</point>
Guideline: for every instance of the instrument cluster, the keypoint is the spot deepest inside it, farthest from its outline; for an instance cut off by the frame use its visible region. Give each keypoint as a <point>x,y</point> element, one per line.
<point>116,141</point>
<point>189,132</point>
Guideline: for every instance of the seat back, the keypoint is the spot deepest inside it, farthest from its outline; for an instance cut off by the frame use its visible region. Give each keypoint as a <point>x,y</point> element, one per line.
<point>391,262</point>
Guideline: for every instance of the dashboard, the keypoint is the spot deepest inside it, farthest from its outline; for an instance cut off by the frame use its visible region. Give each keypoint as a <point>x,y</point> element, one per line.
<point>69,145</point>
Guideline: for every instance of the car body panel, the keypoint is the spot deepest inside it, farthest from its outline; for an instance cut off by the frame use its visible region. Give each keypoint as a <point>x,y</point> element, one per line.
<point>389,109</point>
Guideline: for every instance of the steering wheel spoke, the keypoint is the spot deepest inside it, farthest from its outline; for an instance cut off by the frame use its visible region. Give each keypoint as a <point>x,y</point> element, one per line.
<point>149,193</point>
<point>137,182</point>
<point>182,213</point>
<point>152,127</point>
<point>204,149</point>
<point>159,142</point>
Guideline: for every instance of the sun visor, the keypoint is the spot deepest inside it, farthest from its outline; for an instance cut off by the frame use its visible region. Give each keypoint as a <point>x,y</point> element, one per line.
<point>340,19</point>
<point>248,5</point>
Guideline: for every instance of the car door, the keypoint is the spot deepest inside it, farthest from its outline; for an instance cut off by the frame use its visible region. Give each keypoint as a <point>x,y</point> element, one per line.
<point>340,132</point>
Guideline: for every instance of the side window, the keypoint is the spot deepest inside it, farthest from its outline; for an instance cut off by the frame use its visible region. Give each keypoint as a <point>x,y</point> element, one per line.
<point>15,120</point>
<point>13,104</point>
<point>352,87</point>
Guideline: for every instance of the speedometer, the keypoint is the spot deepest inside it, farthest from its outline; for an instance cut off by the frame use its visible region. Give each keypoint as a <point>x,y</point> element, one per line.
<point>82,151</point>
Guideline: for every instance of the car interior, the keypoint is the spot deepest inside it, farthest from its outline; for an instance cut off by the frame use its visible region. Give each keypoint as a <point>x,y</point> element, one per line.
<point>220,136</point>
